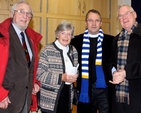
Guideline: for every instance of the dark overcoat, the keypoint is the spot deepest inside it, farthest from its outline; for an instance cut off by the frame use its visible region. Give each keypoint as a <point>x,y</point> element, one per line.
<point>77,42</point>
<point>132,68</point>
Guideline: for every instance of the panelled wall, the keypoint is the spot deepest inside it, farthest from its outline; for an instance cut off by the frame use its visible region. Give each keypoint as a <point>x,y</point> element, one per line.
<point>49,13</point>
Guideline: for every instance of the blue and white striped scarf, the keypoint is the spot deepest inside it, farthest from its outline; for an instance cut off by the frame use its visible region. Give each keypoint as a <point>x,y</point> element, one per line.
<point>84,97</point>
<point>100,77</point>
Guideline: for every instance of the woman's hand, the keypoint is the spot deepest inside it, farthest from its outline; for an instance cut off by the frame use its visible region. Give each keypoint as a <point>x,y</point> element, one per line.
<point>69,78</point>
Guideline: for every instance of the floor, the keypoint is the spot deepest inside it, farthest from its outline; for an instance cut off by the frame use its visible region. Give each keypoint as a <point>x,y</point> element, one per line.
<point>73,111</point>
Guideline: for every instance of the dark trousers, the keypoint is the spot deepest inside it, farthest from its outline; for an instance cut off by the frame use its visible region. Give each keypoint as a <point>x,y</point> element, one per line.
<point>84,108</point>
<point>121,108</point>
<point>125,108</point>
<point>64,100</point>
<point>133,107</point>
<point>25,110</point>
<point>100,100</point>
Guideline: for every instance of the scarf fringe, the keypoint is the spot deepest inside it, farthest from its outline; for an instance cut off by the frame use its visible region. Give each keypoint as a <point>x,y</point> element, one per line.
<point>84,97</point>
<point>122,99</point>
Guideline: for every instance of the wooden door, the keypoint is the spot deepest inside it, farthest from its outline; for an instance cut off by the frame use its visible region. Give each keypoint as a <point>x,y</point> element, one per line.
<point>86,5</point>
<point>103,6</point>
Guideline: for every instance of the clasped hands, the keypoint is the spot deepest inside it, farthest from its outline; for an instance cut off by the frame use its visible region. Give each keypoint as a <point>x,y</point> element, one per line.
<point>118,77</point>
<point>69,78</point>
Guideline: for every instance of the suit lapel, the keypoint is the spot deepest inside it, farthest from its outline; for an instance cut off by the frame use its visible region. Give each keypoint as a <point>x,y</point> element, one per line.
<point>15,39</point>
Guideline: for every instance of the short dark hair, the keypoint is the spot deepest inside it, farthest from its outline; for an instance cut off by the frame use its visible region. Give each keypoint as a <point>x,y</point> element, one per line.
<point>93,11</point>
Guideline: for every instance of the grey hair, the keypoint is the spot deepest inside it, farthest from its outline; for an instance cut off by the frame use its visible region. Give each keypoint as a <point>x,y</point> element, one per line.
<point>64,25</point>
<point>15,6</point>
<point>120,6</point>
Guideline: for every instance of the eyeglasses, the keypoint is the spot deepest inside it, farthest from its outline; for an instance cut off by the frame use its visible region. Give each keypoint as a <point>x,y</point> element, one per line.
<point>127,14</point>
<point>22,12</point>
<point>91,20</point>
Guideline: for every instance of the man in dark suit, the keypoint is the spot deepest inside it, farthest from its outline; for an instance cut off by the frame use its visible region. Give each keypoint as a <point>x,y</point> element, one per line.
<point>126,63</point>
<point>18,65</point>
<point>94,50</point>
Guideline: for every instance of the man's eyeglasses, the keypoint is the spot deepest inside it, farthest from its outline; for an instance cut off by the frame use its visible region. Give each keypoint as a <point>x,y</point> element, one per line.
<point>127,14</point>
<point>22,12</point>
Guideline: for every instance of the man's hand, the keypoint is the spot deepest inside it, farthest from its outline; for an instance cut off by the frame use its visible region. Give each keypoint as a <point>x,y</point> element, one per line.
<point>35,89</point>
<point>4,103</point>
<point>118,77</point>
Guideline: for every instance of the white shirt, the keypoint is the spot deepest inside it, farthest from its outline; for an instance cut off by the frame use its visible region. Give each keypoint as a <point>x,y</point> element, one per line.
<point>18,31</point>
<point>68,63</point>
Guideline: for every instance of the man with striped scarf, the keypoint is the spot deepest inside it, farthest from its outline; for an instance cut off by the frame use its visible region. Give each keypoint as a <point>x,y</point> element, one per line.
<point>94,49</point>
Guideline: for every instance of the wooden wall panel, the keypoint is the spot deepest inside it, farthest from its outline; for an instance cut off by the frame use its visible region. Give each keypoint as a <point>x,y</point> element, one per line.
<point>103,6</point>
<point>52,24</point>
<point>48,14</point>
<point>4,5</point>
<point>36,5</point>
<point>3,16</point>
<point>36,24</point>
<point>106,28</point>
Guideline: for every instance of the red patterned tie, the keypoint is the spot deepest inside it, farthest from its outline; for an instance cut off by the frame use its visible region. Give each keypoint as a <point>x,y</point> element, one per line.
<point>25,49</point>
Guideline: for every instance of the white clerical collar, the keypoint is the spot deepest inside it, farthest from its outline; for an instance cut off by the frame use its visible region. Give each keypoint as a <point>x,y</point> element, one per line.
<point>93,36</point>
